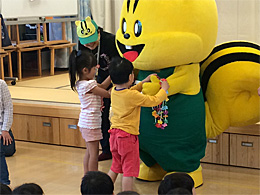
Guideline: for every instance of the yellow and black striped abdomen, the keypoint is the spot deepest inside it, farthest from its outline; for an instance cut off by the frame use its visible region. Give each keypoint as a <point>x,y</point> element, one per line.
<point>226,53</point>
<point>230,77</point>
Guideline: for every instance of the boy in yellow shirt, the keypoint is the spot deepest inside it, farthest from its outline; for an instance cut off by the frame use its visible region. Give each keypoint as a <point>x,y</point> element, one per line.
<point>126,104</point>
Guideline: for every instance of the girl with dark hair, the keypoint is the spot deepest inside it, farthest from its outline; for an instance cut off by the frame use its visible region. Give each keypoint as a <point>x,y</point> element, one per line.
<point>82,70</point>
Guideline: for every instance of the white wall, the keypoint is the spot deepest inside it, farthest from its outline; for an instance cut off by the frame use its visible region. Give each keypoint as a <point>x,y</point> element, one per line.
<point>38,8</point>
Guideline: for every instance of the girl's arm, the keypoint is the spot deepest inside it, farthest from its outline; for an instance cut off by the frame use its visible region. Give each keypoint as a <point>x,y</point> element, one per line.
<point>100,91</point>
<point>105,83</point>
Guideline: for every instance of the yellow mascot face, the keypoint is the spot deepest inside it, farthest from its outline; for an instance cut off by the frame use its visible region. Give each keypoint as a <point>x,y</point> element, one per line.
<point>157,34</point>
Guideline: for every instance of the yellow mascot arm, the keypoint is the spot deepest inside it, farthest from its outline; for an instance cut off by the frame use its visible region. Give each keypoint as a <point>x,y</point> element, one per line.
<point>185,80</point>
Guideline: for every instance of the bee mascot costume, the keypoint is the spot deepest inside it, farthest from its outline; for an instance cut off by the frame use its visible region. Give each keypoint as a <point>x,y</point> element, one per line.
<point>172,38</point>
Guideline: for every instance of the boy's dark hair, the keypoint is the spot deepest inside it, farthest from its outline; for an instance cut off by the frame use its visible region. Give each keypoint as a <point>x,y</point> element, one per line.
<point>4,189</point>
<point>176,180</point>
<point>96,182</point>
<point>77,61</point>
<point>28,188</point>
<point>120,69</point>
<point>128,193</point>
<point>179,191</point>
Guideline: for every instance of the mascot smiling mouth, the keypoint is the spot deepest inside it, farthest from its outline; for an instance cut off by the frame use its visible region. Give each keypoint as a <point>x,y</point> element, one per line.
<point>130,52</point>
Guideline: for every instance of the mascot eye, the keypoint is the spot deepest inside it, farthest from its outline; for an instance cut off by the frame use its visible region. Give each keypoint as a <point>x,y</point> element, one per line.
<point>88,30</point>
<point>138,28</point>
<point>123,26</point>
<point>82,31</point>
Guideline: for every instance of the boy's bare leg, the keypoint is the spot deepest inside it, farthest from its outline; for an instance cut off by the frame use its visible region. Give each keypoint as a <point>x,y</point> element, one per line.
<point>127,183</point>
<point>112,175</point>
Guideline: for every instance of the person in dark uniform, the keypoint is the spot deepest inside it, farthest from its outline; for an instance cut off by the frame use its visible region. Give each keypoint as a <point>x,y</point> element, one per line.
<point>102,45</point>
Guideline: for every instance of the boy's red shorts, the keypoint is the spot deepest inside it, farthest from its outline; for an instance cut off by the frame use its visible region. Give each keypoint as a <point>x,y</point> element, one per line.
<point>125,153</point>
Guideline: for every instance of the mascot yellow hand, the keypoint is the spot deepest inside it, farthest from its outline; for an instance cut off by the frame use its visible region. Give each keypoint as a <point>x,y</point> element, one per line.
<point>151,88</point>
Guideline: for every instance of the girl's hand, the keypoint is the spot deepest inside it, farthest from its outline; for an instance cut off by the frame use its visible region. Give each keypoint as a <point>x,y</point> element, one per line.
<point>148,78</point>
<point>109,91</point>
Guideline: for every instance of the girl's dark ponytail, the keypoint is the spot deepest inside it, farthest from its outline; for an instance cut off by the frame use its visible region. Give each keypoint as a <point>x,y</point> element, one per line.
<point>77,61</point>
<point>72,69</point>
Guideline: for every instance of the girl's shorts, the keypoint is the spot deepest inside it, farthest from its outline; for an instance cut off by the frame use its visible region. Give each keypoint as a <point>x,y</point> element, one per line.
<point>90,135</point>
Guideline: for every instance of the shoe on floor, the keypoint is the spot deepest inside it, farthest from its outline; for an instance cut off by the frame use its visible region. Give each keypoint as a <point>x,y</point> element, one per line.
<point>104,156</point>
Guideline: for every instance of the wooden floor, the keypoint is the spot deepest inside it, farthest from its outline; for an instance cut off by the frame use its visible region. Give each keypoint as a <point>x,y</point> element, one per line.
<point>58,170</point>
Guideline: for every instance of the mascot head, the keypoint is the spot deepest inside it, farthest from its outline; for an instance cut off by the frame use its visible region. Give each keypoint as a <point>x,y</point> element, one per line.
<point>157,34</point>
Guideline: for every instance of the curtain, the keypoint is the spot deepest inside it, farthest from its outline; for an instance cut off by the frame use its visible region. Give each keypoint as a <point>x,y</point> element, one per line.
<point>238,20</point>
<point>55,33</point>
<point>106,13</point>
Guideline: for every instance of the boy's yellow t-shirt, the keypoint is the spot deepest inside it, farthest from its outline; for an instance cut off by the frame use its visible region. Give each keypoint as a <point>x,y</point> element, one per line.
<point>126,106</point>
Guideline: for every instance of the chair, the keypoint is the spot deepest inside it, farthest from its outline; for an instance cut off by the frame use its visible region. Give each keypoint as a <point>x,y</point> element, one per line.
<point>28,45</point>
<point>56,44</point>
<point>6,51</point>
<point>3,53</point>
<point>9,50</point>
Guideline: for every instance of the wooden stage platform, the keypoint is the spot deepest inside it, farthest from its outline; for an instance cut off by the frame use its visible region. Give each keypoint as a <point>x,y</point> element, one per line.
<point>54,89</point>
<point>46,110</point>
